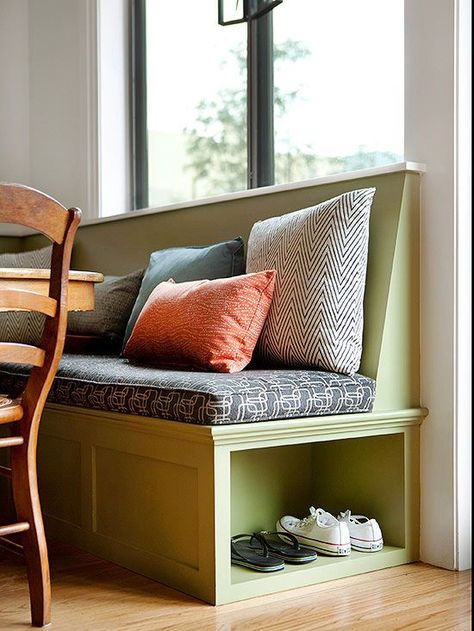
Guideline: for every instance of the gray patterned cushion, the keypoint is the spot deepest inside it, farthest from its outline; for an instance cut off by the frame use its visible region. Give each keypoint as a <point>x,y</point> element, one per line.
<point>320,255</point>
<point>17,326</point>
<point>114,300</point>
<point>104,382</point>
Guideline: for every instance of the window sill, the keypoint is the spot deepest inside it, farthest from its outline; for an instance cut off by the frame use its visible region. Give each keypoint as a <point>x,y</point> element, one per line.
<point>414,167</point>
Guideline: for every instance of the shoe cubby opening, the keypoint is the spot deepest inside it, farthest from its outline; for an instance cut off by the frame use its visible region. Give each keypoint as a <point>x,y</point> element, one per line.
<point>365,475</point>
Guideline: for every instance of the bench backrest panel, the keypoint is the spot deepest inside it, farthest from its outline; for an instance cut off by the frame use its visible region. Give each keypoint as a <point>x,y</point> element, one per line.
<point>391,331</point>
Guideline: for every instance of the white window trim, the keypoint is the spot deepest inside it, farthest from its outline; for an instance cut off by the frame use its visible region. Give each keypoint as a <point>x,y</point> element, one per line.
<point>437,42</point>
<point>414,167</point>
<point>463,287</point>
<point>410,167</point>
<point>93,119</point>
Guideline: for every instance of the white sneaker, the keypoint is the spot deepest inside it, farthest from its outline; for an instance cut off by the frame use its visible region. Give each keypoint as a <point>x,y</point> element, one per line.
<point>320,530</point>
<point>365,533</point>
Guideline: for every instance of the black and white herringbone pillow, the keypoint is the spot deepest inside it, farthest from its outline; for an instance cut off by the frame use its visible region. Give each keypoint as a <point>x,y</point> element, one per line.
<point>16,326</point>
<point>320,255</point>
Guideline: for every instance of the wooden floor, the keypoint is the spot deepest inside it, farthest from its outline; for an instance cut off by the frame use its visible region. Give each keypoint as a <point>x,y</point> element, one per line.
<point>93,595</point>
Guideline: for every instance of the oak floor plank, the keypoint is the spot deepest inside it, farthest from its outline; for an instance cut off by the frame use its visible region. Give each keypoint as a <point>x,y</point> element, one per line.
<point>93,595</point>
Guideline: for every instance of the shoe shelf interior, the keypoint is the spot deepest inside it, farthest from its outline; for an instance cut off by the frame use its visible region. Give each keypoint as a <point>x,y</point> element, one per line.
<point>367,475</point>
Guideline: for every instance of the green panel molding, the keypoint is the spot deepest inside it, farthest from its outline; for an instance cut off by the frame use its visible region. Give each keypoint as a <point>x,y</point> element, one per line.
<point>163,498</point>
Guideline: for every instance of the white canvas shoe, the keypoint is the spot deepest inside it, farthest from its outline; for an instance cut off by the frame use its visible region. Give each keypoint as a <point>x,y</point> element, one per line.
<point>365,533</point>
<point>320,530</point>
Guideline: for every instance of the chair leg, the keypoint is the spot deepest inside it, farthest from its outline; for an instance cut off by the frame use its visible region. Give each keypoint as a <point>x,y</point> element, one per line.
<point>27,505</point>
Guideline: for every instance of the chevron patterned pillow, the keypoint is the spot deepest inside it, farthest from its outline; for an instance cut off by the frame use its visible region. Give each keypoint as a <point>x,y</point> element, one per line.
<point>17,326</point>
<point>320,255</point>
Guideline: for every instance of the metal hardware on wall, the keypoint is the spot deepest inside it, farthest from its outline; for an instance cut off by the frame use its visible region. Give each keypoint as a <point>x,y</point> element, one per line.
<point>249,10</point>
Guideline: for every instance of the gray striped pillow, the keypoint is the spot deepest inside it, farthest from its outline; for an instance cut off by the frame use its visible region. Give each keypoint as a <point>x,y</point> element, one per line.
<point>114,300</point>
<point>17,326</point>
<point>320,255</point>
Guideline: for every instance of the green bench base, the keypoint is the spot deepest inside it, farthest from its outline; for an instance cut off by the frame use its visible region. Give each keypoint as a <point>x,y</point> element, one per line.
<point>163,498</point>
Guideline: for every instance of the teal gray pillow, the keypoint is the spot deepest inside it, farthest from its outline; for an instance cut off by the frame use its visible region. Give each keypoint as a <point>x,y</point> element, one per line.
<point>114,300</point>
<point>182,264</point>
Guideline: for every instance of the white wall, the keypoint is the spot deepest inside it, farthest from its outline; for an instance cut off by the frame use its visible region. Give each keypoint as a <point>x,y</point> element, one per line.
<point>14,91</point>
<point>432,117</point>
<point>64,111</point>
<point>58,133</point>
<point>45,98</point>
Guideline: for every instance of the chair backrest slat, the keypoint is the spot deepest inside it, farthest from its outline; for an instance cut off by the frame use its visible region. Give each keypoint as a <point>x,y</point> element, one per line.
<point>26,206</point>
<point>29,207</point>
<point>19,299</point>
<point>11,352</point>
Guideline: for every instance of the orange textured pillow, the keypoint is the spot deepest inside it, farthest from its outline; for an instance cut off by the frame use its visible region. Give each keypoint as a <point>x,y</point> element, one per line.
<point>205,324</point>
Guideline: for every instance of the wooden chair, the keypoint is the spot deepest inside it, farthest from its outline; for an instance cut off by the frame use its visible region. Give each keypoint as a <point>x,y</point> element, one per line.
<point>28,207</point>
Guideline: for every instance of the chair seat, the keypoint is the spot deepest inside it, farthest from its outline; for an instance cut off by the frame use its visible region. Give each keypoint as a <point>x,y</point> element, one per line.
<point>10,409</point>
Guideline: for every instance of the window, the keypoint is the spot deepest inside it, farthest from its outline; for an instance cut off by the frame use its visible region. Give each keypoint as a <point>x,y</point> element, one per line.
<point>195,116</point>
<point>311,88</point>
<point>339,94</point>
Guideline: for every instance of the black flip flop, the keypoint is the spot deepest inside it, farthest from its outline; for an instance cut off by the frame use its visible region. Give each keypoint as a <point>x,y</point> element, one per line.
<point>286,546</point>
<point>252,552</point>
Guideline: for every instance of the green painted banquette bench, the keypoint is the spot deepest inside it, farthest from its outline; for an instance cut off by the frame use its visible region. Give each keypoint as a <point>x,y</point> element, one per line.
<point>163,497</point>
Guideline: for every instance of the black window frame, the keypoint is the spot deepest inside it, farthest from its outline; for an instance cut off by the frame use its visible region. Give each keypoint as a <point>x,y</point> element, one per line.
<point>260,101</point>
<point>139,125</point>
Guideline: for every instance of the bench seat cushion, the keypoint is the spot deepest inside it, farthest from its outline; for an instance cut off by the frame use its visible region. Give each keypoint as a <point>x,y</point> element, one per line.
<point>106,382</point>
